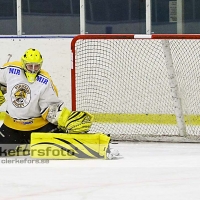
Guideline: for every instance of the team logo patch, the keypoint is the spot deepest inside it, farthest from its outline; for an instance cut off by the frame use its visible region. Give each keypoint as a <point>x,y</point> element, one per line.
<point>21,95</point>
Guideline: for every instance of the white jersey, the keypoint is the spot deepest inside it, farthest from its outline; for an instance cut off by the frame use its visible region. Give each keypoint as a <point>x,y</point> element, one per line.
<point>27,103</point>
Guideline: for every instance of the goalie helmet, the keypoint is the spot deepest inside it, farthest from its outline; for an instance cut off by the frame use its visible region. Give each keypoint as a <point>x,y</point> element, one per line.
<point>31,63</point>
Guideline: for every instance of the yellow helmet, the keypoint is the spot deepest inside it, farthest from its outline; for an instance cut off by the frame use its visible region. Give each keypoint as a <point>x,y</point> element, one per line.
<point>31,63</point>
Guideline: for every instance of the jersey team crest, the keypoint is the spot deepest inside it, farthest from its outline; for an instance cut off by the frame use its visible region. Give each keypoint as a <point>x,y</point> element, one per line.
<point>21,95</point>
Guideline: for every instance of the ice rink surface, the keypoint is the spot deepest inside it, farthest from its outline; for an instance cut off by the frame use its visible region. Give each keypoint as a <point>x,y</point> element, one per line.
<point>147,171</point>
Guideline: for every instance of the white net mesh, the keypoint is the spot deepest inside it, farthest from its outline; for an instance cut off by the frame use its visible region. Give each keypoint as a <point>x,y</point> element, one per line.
<point>125,84</point>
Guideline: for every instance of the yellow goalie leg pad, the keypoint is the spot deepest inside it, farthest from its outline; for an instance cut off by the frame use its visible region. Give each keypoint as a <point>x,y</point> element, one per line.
<point>69,146</point>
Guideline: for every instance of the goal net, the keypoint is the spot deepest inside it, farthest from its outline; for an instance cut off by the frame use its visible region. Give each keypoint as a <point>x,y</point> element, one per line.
<point>139,87</point>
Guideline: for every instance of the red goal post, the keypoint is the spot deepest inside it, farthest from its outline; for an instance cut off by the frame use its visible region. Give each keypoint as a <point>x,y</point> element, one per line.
<point>139,87</point>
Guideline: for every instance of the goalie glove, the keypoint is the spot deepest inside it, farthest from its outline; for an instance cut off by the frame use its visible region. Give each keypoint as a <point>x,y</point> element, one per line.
<point>69,121</point>
<point>2,98</point>
<point>75,121</point>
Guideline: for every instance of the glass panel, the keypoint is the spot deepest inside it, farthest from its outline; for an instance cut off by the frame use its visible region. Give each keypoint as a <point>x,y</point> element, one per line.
<point>6,8</point>
<point>102,16</point>
<point>188,11</point>
<point>25,6</point>
<point>160,17</point>
<point>197,8</point>
<point>50,17</point>
<point>138,11</point>
<point>164,16</point>
<point>115,16</point>
<point>138,16</point>
<point>110,10</point>
<point>88,11</point>
<point>76,6</point>
<point>50,6</point>
<point>99,10</point>
<point>8,18</point>
<point>118,10</point>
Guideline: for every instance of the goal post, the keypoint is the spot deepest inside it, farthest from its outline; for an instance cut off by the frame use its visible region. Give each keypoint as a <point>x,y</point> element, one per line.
<point>139,87</point>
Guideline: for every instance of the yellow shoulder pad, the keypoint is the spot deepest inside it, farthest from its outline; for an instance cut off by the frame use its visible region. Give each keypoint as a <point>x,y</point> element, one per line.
<point>14,63</point>
<point>45,73</point>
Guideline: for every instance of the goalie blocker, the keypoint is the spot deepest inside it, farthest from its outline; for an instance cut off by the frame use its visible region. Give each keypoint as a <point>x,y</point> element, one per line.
<point>69,146</point>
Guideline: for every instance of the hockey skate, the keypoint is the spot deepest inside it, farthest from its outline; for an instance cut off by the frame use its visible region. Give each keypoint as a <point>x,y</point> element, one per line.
<point>113,153</point>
